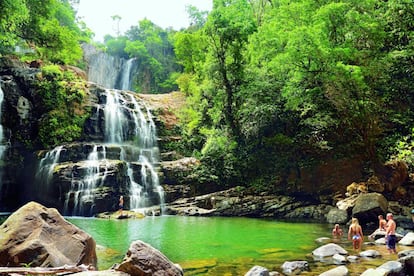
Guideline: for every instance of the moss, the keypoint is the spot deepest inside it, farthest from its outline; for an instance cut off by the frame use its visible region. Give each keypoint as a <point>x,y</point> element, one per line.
<point>61,95</point>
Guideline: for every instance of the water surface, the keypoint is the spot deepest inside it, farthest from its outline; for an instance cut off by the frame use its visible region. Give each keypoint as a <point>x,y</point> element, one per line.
<point>206,245</point>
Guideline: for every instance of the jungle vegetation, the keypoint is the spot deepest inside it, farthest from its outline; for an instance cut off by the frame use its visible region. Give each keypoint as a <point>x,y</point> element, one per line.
<point>271,85</point>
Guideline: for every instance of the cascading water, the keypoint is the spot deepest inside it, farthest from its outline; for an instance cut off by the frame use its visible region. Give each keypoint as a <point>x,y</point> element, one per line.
<point>128,127</point>
<point>125,81</point>
<point>109,71</point>
<point>123,155</point>
<point>130,135</point>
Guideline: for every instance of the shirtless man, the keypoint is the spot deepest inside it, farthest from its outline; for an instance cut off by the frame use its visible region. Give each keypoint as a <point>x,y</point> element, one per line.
<point>355,231</point>
<point>391,239</point>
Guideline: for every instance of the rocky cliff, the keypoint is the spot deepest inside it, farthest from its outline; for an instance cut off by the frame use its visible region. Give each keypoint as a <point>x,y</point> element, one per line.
<point>53,176</point>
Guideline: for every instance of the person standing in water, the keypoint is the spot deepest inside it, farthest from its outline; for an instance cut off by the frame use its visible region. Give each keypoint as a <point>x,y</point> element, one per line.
<point>355,233</point>
<point>337,232</point>
<point>121,204</point>
<point>390,237</point>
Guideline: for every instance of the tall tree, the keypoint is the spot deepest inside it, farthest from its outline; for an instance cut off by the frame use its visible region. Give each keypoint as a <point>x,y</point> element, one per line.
<point>228,28</point>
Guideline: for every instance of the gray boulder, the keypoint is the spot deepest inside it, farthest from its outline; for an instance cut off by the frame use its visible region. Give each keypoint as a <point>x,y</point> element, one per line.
<point>295,267</point>
<point>336,215</point>
<point>370,254</point>
<point>408,239</point>
<point>369,206</point>
<point>328,250</point>
<point>257,271</point>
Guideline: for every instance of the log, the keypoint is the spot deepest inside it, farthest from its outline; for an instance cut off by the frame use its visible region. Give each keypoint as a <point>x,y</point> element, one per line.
<point>61,270</point>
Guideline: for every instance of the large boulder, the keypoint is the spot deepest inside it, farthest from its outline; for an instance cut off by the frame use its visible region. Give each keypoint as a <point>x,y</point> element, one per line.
<point>369,206</point>
<point>40,236</point>
<point>142,259</point>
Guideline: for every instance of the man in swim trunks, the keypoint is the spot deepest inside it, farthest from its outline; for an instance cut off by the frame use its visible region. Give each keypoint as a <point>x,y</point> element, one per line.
<point>390,237</point>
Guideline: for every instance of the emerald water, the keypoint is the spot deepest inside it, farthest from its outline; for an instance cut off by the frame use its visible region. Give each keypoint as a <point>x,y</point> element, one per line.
<point>206,245</point>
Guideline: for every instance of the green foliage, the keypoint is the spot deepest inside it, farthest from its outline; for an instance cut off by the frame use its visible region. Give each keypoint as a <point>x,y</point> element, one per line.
<point>60,96</point>
<point>219,161</point>
<point>294,82</point>
<point>13,14</point>
<point>404,150</point>
<point>48,27</point>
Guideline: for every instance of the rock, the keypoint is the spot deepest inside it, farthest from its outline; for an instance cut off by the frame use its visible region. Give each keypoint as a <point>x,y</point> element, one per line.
<point>257,271</point>
<point>370,254</point>
<point>339,259</point>
<point>347,204</point>
<point>40,236</point>
<point>391,268</point>
<point>323,240</point>
<point>369,206</point>
<point>328,250</point>
<point>405,253</point>
<point>374,184</point>
<point>179,171</point>
<point>295,267</point>
<point>408,239</point>
<point>143,259</point>
<point>380,241</point>
<point>336,215</point>
<point>352,258</point>
<point>377,234</point>
<point>408,262</point>
<point>338,271</point>
<point>101,273</point>
<point>394,174</point>
<point>372,272</point>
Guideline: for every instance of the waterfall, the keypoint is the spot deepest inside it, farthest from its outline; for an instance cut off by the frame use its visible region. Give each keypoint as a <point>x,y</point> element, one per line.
<point>125,81</point>
<point>134,130</point>
<point>82,193</point>
<point>47,164</point>
<point>108,71</point>
<point>129,133</point>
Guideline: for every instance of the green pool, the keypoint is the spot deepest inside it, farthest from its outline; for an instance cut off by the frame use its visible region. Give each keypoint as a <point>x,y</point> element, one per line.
<point>206,245</point>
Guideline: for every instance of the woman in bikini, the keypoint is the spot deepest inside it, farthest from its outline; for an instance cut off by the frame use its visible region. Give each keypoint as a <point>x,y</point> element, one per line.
<point>355,232</point>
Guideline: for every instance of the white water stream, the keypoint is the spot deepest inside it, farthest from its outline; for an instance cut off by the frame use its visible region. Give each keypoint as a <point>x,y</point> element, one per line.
<point>129,127</point>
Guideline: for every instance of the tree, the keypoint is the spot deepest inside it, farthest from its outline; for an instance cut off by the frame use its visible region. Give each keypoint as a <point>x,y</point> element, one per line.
<point>13,14</point>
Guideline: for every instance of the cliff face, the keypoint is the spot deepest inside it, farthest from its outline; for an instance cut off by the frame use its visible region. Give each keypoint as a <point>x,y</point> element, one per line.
<point>20,124</point>
<point>117,153</point>
<point>88,176</point>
